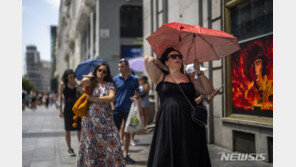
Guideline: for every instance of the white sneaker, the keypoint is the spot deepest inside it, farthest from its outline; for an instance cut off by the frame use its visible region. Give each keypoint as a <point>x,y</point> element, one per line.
<point>71,152</point>
<point>132,143</point>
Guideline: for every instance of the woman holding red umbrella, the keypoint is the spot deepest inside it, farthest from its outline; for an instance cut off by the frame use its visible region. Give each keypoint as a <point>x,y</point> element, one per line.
<point>177,140</point>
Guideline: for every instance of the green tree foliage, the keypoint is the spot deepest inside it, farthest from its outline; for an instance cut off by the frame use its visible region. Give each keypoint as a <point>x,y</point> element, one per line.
<point>27,85</point>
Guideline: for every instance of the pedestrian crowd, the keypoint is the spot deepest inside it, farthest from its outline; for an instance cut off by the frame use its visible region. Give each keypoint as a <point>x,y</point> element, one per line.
<point>107,112</point>
<point>33,99</point>
<point>110,120</point>
<point>119,108</point>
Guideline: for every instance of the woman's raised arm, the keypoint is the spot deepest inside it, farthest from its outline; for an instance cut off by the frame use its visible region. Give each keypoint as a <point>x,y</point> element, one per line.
<point>153,66</point>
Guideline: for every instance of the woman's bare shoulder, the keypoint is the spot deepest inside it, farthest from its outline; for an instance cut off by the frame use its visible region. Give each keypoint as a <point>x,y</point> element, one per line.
<point>160,78</point>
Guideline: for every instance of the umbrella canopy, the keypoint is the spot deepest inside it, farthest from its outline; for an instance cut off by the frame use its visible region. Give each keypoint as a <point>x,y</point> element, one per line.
<point>194,42</point>
<point>137,64</point>
<point>86,67</point>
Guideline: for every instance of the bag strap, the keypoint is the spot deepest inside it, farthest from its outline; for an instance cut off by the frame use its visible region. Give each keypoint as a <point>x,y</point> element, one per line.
<point>182,91</point>
<point>163,76</point>
<point>195,120</point>
<point>188,78</point>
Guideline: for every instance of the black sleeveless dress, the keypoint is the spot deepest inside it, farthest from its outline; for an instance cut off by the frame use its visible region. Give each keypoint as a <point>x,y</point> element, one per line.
<point>177,140</point>
<point>70,97</point>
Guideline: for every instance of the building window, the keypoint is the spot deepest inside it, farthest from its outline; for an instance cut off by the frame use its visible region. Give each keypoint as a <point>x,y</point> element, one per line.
<point>83,47</point>
<point>252,78</point>
<point>251,74</point>
<point>131,22</point>
<point>251,18</point>
<point>94,32</point>
<point>243,142</point>
<point>88,41</point>
<point>85,44</point>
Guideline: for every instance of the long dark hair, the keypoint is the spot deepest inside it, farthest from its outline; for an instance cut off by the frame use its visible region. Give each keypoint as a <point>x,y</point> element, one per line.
<point>66,74</point>
<point>108,77</point>
<point>164,58</point>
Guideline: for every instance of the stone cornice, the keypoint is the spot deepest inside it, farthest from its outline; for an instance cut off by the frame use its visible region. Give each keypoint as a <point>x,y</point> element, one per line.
<point>89,3</point>
<point>82,17</point>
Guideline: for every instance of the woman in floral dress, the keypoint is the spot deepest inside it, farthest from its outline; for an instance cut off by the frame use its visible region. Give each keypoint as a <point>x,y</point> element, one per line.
<point>100,143</point>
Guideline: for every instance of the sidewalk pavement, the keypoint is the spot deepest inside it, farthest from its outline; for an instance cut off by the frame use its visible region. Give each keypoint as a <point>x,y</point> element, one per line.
<point>44,145</point>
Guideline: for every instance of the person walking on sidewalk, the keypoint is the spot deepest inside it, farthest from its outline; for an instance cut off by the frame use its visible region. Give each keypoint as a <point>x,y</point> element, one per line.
<point>126,84</point>
<point>177,140</point>
<point>145,104</point>
<point>100,143</point>
<point>47,100</point>
<point>24,94</point>
<point>68,89</point>
<point>33,99</point>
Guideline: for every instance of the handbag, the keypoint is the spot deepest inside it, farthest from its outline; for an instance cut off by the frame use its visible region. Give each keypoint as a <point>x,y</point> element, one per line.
<point>80,106</point>
<point>198,113</point>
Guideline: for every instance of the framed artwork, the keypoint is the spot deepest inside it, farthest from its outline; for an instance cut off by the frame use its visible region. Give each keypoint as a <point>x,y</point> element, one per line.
<point>252,77</point>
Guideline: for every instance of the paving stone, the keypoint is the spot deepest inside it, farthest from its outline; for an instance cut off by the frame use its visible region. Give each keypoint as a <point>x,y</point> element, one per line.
<point>44,144</point>
<point>42,164</point>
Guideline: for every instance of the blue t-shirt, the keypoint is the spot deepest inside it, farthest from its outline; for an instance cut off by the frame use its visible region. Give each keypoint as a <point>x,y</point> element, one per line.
<point>125,89</point>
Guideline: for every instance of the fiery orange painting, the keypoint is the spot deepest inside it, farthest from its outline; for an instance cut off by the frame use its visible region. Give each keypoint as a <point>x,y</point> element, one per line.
<point>252,78</point>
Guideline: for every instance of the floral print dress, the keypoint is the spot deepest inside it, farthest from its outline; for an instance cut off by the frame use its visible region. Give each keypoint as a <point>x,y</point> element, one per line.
<point>100,143</point>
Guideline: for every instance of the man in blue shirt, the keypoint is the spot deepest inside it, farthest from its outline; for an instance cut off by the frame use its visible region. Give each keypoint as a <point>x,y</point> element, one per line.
<point>126,85</point>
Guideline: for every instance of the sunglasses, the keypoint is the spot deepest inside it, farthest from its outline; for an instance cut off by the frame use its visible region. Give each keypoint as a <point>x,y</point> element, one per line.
<point>174,56</point>
<point>101,70</point>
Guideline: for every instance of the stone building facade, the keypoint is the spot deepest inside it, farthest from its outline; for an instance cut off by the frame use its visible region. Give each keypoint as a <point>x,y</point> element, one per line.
<point>231,127</point>
<point>96,29</point>
<point>38,72</point>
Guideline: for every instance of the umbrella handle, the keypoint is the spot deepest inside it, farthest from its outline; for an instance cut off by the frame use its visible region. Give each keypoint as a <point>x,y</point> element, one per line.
<point>195,69</point>
<point>180,33</point>
<point>195,74</point>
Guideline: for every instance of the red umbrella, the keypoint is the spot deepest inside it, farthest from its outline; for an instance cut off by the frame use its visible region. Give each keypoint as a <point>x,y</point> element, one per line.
<point>194,42</point>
